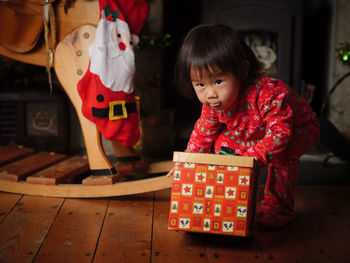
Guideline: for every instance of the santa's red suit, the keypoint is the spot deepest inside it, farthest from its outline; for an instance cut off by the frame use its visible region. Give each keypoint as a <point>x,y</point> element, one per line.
<point>107,90</point>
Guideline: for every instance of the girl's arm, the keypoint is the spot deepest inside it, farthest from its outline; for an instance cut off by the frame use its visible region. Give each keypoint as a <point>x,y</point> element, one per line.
<point>205,131</point>
<point>278,117</point>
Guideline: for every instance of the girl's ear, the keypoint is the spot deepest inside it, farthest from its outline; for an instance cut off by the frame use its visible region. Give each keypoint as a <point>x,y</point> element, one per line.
<point>245,69</point>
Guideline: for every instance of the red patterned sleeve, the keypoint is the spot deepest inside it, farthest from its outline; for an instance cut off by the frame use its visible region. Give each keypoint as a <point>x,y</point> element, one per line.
<point>277,114</point>
<point>205,131</point>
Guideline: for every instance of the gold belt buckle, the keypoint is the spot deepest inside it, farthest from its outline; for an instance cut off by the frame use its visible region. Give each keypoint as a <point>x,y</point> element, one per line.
<point>111,110</point>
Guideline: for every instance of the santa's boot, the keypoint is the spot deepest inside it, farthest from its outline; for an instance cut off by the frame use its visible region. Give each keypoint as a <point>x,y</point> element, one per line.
<point>277,207</point>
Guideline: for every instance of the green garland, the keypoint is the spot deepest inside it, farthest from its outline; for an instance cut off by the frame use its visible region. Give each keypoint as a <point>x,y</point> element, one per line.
<point>343,53</point>
<point>152,42</point>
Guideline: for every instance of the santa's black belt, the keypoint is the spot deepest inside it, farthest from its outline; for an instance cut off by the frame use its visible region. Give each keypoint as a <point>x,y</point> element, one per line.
<point>116,110</point>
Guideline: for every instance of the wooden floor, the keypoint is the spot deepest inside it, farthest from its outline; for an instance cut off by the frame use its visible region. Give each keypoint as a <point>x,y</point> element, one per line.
<point>134,229</point>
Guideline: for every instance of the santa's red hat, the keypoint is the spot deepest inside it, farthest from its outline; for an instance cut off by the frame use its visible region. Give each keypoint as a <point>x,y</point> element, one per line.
<point>131,13</point>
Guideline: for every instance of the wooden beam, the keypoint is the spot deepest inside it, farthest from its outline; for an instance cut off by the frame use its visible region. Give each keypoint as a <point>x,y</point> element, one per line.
<point>20,169</point>
<point>11,153</point>
<point>60,172</point>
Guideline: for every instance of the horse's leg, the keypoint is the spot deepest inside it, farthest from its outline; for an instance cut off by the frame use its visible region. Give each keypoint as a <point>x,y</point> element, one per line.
<point>71,62</point>
<point>128,160</point>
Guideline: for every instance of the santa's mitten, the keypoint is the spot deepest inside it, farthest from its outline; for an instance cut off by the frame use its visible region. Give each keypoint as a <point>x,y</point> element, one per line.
<point>107,90</point>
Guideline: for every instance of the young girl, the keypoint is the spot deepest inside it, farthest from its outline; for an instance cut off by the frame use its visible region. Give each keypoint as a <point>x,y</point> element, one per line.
<point>245,111</point>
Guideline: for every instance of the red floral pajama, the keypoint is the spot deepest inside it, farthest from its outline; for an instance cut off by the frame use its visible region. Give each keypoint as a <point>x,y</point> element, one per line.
<point>269,121</point>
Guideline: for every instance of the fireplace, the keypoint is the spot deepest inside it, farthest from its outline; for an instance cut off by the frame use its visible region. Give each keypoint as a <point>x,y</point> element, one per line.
<point>272,28</point>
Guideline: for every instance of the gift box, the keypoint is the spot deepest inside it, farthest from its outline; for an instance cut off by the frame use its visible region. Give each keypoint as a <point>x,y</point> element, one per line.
<point>213,193</point>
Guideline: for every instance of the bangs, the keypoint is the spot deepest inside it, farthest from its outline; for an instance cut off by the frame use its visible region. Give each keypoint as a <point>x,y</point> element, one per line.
<point>208,58</point>
<point>197,72</point>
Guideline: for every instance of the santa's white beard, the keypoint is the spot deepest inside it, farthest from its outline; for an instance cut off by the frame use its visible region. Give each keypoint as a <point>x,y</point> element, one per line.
<point>116,68</point>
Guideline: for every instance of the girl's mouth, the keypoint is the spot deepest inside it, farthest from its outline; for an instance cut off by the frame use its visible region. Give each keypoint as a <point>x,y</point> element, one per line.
<point>215,105</point>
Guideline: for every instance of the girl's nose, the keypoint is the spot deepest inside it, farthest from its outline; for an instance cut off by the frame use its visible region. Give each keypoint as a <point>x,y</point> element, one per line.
<point>211,93</point>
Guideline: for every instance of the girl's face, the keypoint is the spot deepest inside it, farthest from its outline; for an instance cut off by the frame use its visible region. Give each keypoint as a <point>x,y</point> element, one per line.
<point>218,91</point>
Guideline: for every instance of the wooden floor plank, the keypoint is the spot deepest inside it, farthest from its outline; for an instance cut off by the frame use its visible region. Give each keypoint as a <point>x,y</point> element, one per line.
<point>234,249</point>
<point>20,169</point>
<point>172,246</point>
<point>287,245</point>
<point>60,172</point>
<point>74,235</point>
<point>338,200</point>
<point>7,202</point>
<point>25,228</point>
<point>11,153</point>
<point>319,218</point>
<point>127,230</point>
<point>37,229</point>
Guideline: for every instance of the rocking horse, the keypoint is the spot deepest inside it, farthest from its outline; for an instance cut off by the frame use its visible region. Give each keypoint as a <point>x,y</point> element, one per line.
<point>75,32</point>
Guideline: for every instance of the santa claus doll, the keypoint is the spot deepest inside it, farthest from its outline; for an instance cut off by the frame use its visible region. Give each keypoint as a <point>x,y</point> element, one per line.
<point>107,89</point>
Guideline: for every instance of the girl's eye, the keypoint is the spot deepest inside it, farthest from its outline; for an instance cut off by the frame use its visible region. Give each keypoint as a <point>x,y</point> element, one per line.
<point>119,35</point>
<point>218,81</point>
<point>200,85</point>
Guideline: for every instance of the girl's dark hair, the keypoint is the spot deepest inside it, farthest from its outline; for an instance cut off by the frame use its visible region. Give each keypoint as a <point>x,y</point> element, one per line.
<point>209,47</point>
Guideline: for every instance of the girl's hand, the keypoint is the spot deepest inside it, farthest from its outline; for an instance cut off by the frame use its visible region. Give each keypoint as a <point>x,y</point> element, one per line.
<point>170,173</point>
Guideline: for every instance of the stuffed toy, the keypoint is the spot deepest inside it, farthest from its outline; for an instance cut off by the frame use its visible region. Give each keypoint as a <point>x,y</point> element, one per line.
<point>106,89</point>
